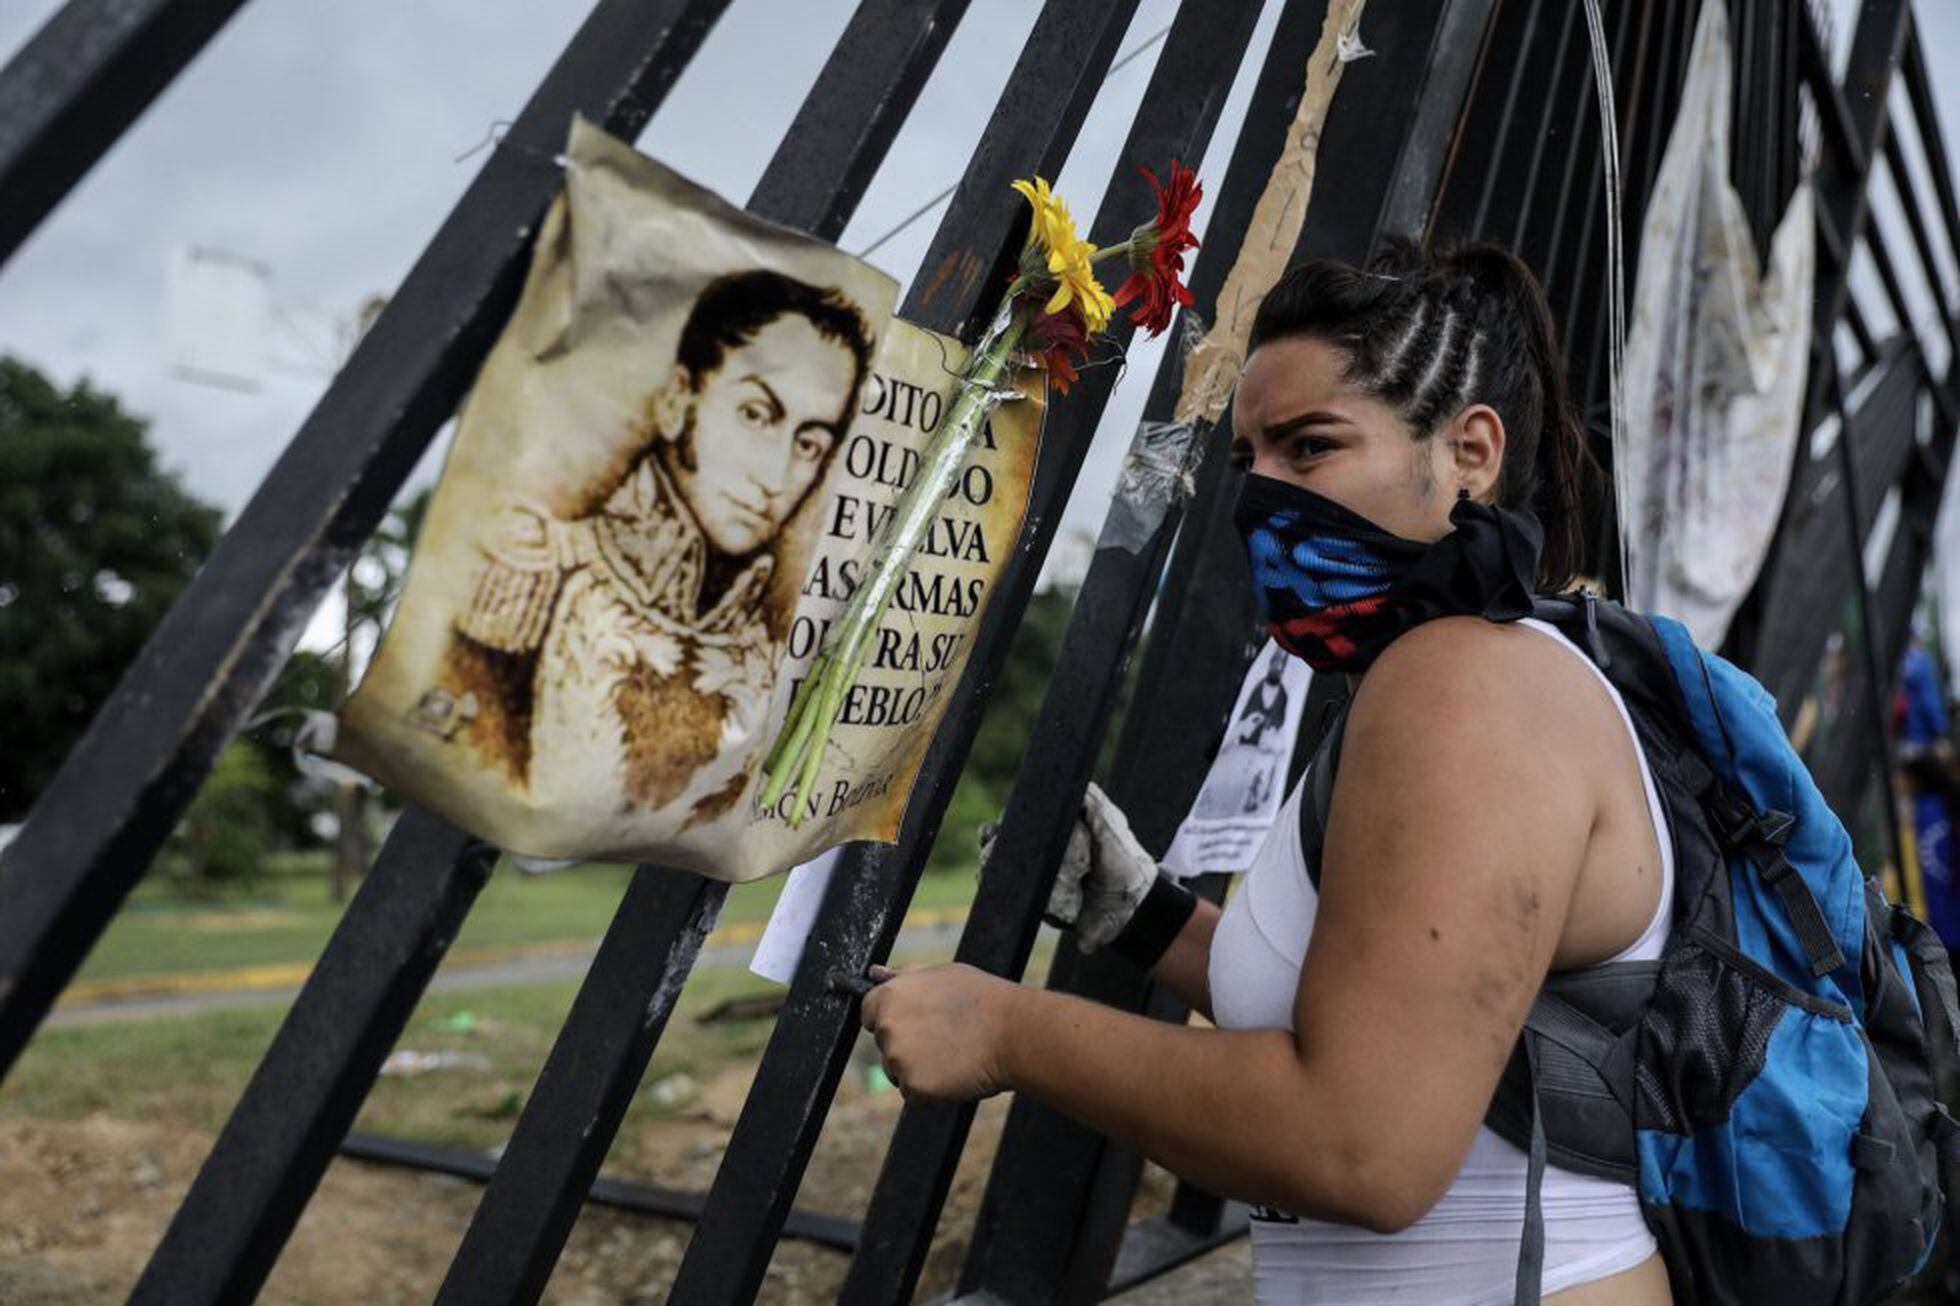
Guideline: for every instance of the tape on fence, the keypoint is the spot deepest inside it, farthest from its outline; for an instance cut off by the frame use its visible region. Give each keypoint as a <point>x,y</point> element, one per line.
<point>1156,477</point>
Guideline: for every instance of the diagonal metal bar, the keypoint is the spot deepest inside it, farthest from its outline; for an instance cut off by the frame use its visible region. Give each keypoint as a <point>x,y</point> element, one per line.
<point>623,1194</point>
<point>1109,609</point>
<point>1058,1200</point>
<point>574,1110</point>
<point>1817,565</point>
<point>1066,55</point>
<point>120,792</point>
<point>1843,201</point>
<point>819,171</point>
<point>243,1205</point>
<point>77,85</point>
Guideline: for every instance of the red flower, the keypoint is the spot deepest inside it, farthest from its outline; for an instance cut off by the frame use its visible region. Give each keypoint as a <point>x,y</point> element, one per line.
<point>1157,251</point>
<point>1060,340</point>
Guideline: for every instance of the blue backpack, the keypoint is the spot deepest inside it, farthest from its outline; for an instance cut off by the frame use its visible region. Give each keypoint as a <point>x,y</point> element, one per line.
<point>1769,1085</point>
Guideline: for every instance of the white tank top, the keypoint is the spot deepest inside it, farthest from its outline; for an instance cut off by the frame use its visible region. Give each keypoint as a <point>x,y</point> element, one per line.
<point>1466,1249</point>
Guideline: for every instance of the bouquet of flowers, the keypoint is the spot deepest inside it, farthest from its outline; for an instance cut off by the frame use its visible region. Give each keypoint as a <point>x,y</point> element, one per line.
<point>1052,310</point>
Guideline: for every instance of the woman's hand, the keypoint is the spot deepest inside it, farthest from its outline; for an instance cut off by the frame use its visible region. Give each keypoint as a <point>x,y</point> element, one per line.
<point>942,1030</point>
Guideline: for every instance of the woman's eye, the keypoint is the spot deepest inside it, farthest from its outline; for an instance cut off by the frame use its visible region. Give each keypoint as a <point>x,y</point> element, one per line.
<point>1311,446</point>
<point>810,447</point>
<point>754,412</point>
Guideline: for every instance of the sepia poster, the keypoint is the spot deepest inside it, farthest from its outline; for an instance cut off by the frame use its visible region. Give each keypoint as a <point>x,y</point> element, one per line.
<point>664,484</point>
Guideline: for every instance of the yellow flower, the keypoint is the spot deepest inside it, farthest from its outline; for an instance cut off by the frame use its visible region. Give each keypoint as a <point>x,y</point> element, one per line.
<point>1068,257</point>
<point>1052,224</point>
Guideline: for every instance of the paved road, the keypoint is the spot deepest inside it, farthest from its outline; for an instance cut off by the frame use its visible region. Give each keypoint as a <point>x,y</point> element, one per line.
<point>913,941</point>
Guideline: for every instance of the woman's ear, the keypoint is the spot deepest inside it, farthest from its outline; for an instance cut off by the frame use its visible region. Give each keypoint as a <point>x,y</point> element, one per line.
<point>1477,450</point>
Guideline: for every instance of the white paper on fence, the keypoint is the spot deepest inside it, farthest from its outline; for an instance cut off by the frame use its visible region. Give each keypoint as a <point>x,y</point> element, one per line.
<point>780,949</point>
<point>1717,354</point>
<point>1242,792</point>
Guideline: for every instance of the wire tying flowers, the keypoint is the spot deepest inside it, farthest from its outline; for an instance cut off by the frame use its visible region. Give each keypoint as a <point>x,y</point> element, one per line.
<point>1052,310</point>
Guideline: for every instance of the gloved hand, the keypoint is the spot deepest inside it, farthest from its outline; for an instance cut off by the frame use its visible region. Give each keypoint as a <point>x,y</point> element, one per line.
<point>1104,874</point>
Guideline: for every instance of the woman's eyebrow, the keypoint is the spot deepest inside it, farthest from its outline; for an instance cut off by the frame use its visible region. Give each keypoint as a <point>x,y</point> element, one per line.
<point>1299,422</point>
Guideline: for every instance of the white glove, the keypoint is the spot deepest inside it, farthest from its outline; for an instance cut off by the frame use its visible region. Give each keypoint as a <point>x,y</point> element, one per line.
<point>1104,873</point>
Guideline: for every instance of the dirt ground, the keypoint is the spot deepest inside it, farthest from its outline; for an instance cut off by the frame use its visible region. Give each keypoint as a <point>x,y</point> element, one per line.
<point>83,1202</point>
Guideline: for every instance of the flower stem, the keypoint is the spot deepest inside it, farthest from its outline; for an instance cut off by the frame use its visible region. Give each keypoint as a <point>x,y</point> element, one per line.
<point>798,752</point>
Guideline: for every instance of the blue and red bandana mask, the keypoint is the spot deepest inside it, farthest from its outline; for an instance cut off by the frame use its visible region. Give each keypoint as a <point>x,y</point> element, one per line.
<point>1336,588</point>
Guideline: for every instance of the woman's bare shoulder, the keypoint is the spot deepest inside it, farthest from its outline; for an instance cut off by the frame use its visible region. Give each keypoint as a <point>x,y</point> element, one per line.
<point>1482,682</point>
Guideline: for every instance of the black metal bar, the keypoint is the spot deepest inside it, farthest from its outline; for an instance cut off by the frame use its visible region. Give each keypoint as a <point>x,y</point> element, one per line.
<point>1551,123</point>
<point>1158,1245</point>
<point>853,112</point>
<point>77,85</point>
<point>582,1094</point>
<point>1477,174</point>
<point>1436,130</point>
<point>1582,280</point>
<point>1843,202</point>
<point>1811,575</point>
<point>1572,272</point>
<point>119,793</point>
<point>1932,137</point>
<point>819,171</point>
<point>1864,739</point>
<point>1568,97</point>
<point>1922,242</point>
<point>1059,1196</point>
<point>1877,676</point>
<point>868,894</point>
<point>1646,125</point>
<point>1062,747</point>
<point>641,1199</point>
<point>224,1238</point>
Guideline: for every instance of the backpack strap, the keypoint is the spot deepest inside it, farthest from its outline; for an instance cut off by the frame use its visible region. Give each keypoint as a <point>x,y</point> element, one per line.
<point>1760,836</point>
<point>1531,1239</point>
<point>1319,798</point>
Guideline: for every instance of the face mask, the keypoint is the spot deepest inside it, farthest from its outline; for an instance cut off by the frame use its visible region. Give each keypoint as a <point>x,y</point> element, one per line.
<point>1336,588</point>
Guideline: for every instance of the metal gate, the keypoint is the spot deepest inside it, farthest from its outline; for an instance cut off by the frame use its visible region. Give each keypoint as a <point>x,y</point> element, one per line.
<point>1473,116</point>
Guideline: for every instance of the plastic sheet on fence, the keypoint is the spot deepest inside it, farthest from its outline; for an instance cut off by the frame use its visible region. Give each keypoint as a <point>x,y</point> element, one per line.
<point>665,484</point>
<point>1716,359</point>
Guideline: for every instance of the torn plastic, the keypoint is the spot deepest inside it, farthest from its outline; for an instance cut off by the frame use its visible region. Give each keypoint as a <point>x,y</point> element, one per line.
<point>1348,47</point>
<point>1156,476</point>
<point>315,738</point>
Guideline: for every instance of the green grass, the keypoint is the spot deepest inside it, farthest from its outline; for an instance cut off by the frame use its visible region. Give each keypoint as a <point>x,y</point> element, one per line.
<point>288,917</point>
<point>188,1070</point>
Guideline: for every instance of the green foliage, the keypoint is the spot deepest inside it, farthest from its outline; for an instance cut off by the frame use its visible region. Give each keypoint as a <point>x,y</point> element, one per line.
<point>95,541</point>
<point>224,838</point>
<point>1003,737</point>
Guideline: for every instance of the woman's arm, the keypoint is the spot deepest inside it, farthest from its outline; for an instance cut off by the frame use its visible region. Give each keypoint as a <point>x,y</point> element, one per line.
<point>1458,827</point>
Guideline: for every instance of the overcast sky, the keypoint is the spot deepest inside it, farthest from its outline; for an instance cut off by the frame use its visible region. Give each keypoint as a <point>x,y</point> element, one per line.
<point>322,141</point>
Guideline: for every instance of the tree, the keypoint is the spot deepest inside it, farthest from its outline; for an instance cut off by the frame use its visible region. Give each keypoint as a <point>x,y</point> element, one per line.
<point>96,540</point>
<point>1002,741</point>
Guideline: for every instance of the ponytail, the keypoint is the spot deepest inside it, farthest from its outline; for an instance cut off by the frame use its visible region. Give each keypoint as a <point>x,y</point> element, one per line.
<point>1429,334</point>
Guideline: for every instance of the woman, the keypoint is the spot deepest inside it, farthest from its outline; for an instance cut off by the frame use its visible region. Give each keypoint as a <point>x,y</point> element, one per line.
<point>1492,821</point>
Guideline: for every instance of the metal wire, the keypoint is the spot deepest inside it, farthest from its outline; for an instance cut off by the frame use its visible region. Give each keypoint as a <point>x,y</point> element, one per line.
<point>1616,320</point>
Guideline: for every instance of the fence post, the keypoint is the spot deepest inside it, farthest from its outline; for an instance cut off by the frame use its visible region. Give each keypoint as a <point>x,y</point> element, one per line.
<point>98,823</point>
<point>77,85</point>
<point>1058,1200</point>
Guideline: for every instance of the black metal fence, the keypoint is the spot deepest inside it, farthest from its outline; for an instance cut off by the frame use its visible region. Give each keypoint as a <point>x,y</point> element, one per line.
<point>1473,116</point>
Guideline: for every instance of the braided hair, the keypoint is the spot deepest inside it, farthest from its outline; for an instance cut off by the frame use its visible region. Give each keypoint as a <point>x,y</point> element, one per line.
<point>1430,334</point>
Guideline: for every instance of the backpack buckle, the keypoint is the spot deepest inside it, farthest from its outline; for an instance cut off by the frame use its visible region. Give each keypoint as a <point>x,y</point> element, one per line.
<point>1734,820</point>
<point>1774,827</point>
